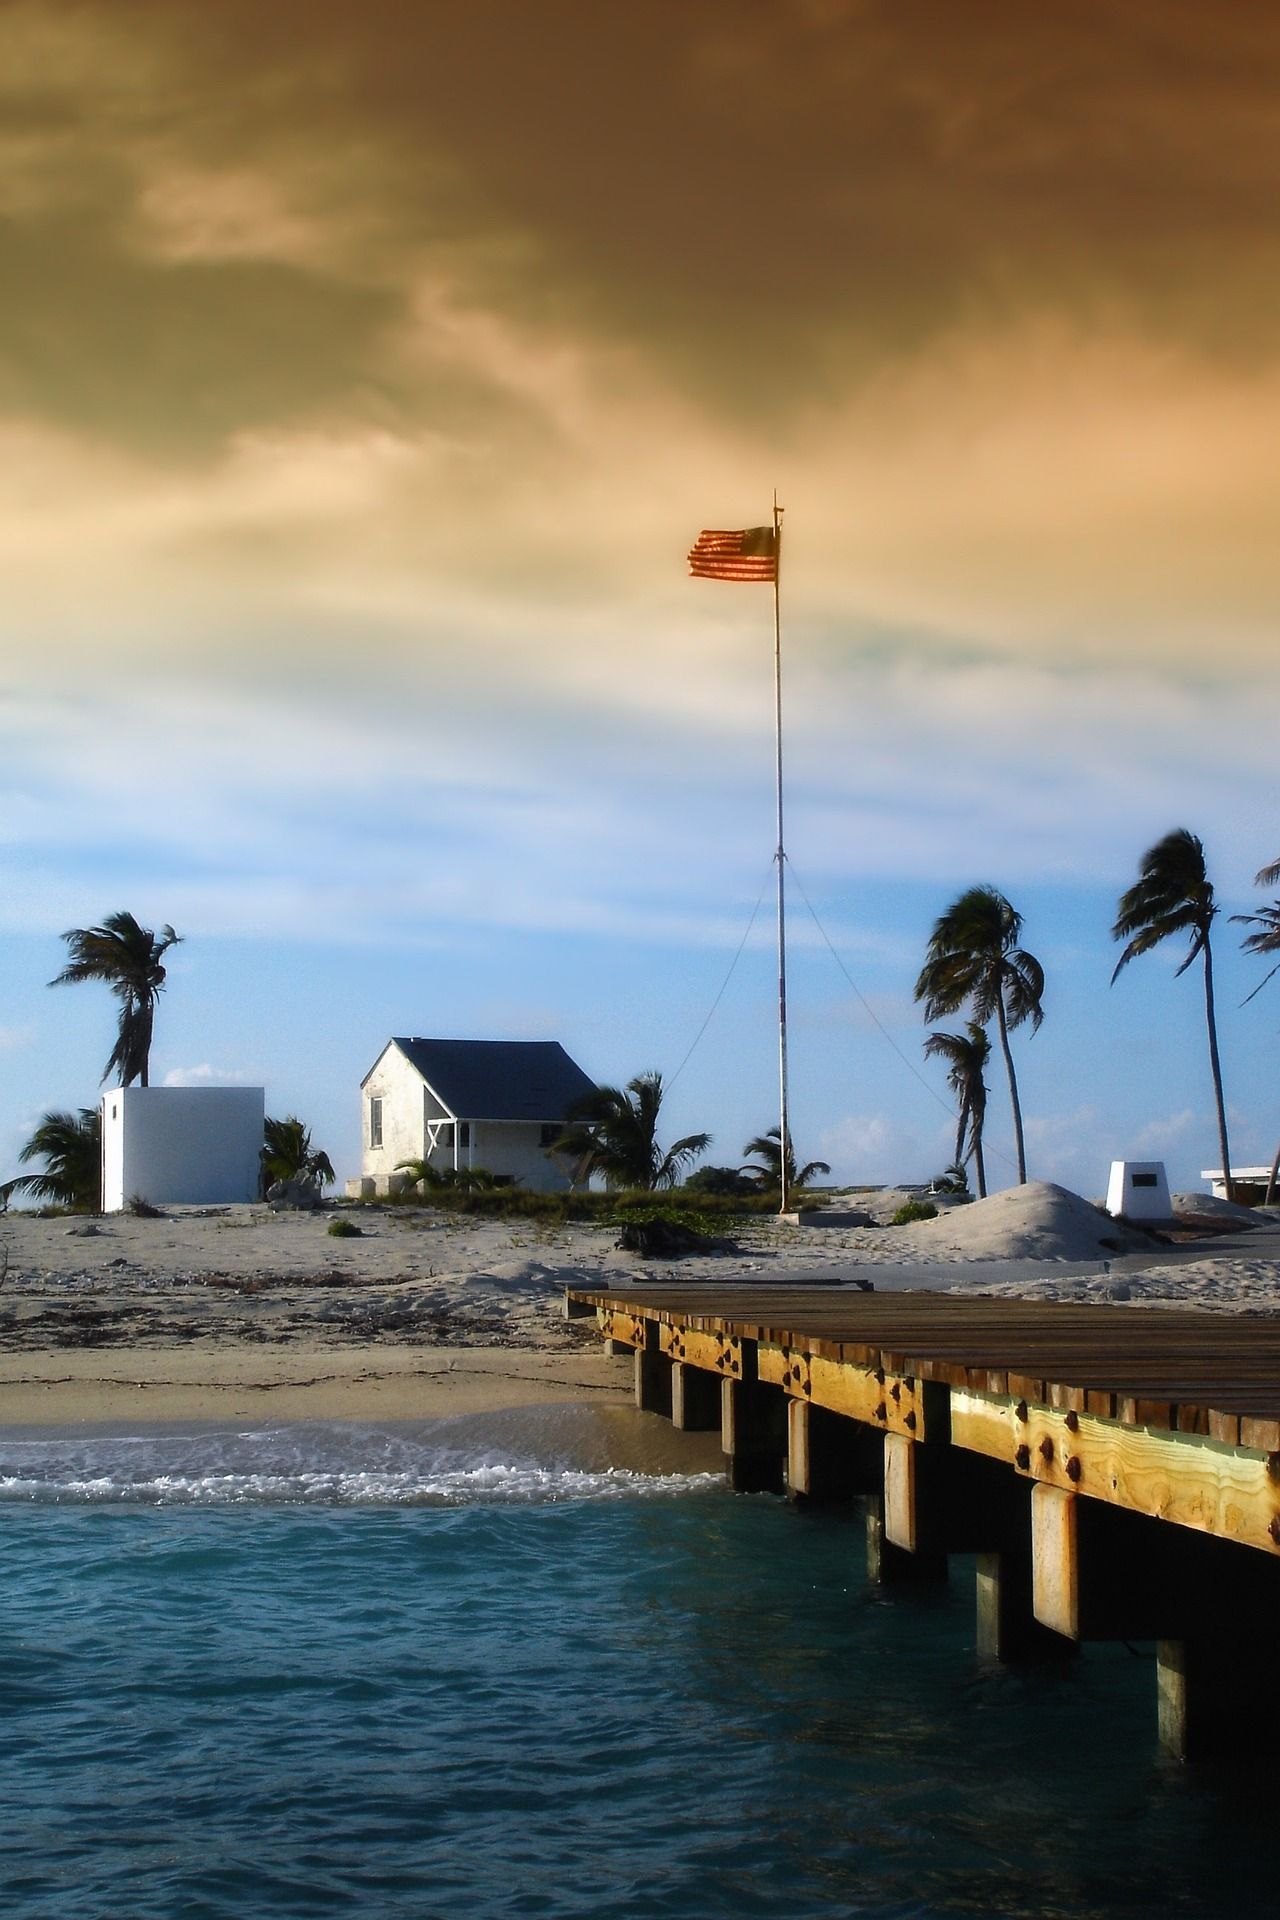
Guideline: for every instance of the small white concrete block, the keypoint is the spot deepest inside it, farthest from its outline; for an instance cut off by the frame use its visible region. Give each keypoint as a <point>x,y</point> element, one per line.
<point>1139,1190</point>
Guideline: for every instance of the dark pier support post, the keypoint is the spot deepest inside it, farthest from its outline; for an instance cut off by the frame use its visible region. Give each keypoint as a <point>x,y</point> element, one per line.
<point>906,1533</point>
<point>753,1431</point>
<point>653,1374</point>
<point>830,1458</point>
<point>1007,1628</point>
<point>889,1564</point>
<point>695,1398</point>
<point>1215,1692</point>
<point>1174,1694</point>
<point>1103,1573</point>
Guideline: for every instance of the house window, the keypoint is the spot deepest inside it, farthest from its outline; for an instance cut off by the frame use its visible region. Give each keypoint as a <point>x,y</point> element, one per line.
<point>549,1134</point>
<point>375,1123</point>
<point>464,1133</point>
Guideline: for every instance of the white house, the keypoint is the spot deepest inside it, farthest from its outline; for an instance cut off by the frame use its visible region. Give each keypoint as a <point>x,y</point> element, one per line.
<point>496,1104</point>
<point>181,1146</point>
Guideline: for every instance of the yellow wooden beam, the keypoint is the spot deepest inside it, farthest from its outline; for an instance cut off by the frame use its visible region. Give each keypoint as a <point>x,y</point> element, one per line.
<point>719,1353</point>
<point>1188,1478</point>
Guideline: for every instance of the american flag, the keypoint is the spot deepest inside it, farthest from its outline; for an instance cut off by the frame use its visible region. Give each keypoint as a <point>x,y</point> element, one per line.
<point>749,554</point>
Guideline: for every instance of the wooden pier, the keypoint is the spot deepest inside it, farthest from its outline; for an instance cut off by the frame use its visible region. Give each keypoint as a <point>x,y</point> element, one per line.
<point>1115,1470</point>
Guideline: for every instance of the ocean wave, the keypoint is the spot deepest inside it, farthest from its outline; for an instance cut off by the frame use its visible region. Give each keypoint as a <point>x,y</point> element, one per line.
<point>313,1466</point>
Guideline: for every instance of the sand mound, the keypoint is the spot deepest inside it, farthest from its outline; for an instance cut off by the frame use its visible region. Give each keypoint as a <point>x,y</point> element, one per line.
<point>1207,1206</point>
<point>1038,1221</point>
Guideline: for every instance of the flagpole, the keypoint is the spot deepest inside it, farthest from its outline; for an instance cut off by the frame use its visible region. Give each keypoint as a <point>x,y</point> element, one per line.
<point>784,1130</point>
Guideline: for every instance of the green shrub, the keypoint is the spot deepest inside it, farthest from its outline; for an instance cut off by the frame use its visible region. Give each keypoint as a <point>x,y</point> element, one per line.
<point>344,1230</point>
<point>913,1210</point>
<point>722,1182</point>
<point>701,1210</point>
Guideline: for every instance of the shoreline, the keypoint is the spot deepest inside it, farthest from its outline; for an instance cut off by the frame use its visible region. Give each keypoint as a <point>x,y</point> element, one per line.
<point>234,1313</point>
<point>71,1389</point>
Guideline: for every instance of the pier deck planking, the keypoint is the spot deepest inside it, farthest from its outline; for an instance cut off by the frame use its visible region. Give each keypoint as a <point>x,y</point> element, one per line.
<point>1168,1413</point>
<point>1158,1367</point>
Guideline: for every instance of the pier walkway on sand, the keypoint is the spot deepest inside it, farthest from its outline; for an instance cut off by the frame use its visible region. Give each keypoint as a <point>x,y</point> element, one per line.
<point>1116,1471</point>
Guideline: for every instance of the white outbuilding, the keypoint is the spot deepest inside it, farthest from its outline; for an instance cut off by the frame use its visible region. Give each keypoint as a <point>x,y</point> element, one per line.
<point>1248,1184</point>
<point>181,1146</point>
<point>467,1104</point>
<point>1139,1190</point>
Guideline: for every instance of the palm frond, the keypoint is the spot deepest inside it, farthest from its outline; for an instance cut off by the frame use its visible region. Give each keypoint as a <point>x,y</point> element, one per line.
<point>1172,896</point>
<point>126,957</point>
<point>70,1144</point>
<point>1266,940</point>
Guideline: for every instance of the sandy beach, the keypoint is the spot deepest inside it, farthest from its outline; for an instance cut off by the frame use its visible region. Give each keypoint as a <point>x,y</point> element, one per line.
<point>239,1313</point>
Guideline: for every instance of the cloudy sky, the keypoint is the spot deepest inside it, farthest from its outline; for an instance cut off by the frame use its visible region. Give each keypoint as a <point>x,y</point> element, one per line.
<point>365,374</point>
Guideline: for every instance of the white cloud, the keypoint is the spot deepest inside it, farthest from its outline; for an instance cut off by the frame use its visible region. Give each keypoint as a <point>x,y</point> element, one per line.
<point>206,1075</point>
<point>875,1149</point>
<point>1159,1135</point>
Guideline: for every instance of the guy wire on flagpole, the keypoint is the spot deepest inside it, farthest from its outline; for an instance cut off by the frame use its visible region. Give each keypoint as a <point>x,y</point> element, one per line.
<point>784,1132</point>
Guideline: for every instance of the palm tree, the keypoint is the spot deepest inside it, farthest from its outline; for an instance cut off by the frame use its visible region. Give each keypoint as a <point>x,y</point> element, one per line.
<point>1268,876</point>
<point>127,957</point>
<point>287,1154</point>
<point>966,1055</point>
<point>766,1147</point>
<point>1266,941</point>
<point>614,1132</point>
<point>71,1147</point>
<point>973,959</point>
<point>1174,895</point>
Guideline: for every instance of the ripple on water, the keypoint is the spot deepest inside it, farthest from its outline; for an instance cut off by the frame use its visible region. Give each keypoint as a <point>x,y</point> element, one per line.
<point>595,1698</point>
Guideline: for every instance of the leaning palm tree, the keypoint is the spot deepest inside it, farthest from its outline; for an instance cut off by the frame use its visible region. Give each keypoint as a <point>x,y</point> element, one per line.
<point>767,1148</point>
<point>1265,941</point>
<point>287,1154</point>
<point>1268,876</point>
<point>70,1145</point>
<point>1173,895</point>
<point>966,1055</point>
<point>127,958</point>
<point>973,959</point>
<point>614,1132</point>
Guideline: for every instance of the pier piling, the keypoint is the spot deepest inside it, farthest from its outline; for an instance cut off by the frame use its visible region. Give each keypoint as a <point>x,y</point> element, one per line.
<point>1116,1472</point>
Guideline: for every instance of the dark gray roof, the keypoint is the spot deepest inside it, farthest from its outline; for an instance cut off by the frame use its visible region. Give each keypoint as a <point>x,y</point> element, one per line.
<point>500,1079</point>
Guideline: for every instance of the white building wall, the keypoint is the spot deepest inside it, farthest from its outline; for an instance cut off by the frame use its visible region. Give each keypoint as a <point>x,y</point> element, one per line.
<point>399,1087</point>
<point>514,1148</point>
<point>181,1146</point>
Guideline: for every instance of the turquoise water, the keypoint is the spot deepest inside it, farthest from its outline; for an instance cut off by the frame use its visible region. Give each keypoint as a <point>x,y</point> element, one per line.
<point>344,1672</point>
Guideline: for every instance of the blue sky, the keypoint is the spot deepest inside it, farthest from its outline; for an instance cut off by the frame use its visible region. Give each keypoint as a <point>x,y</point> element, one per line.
<point>361,396</point>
